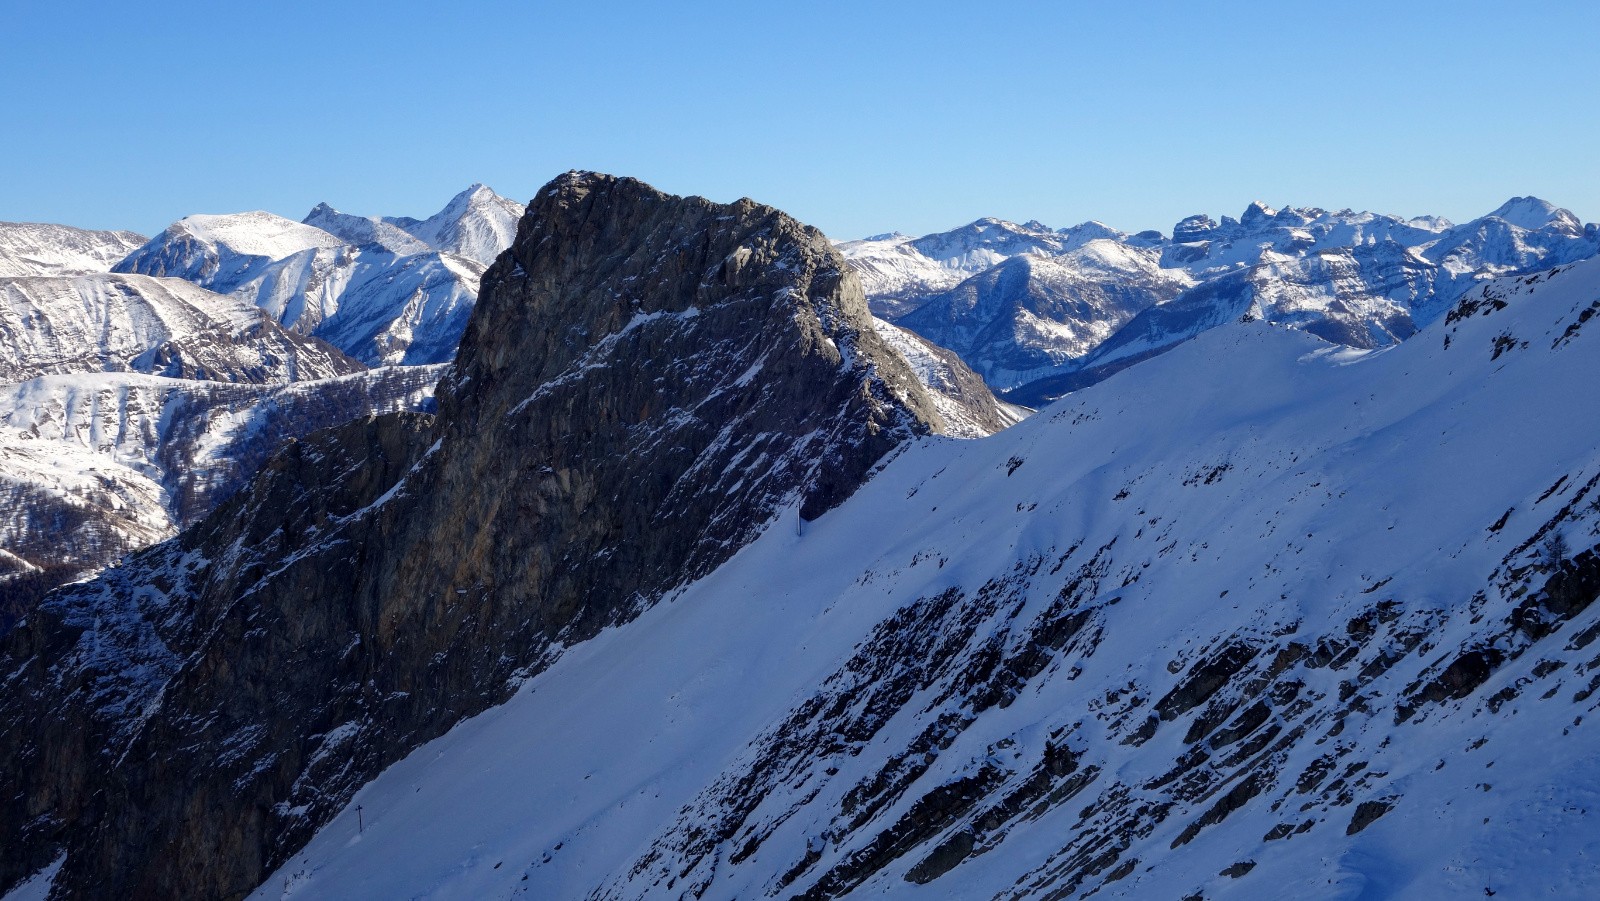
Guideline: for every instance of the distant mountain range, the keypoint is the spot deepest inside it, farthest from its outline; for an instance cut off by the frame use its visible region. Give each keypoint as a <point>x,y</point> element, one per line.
<point>1038,311</point>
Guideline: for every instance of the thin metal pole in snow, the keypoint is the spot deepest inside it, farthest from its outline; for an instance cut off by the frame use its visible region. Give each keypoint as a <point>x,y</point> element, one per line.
<point>360,820</point>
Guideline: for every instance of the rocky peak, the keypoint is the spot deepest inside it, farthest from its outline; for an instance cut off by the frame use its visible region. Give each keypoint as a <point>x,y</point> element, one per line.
<point>1256,214</point>
<point>477,224</point>
<point>607,268</point>
<point>647,382</point>
<point>1193,228</point>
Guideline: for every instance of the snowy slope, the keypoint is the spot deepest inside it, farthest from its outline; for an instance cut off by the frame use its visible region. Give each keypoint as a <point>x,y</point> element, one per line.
<point>380,308</point>
<point>36,248</point>
<point>1260,618</point>
<point>93,465</point>
<point>963,401</point>
<point>105,322</point>
<point>130,405</point>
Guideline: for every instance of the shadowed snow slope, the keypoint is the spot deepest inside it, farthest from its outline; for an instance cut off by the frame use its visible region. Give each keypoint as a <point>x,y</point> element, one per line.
<point>1262,618</point>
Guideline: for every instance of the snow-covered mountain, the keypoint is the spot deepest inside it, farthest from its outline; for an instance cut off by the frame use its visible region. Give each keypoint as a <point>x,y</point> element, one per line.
<point>1030,314</point>
<point>131,405</point>
<point>899,272</point>
<point>1221,626</point>
<point>163,326</point>
<point>477,224</point>
<point>1367,277</point>
<point>383,290</point>
<point>36,248</point>
<point>94,466</point>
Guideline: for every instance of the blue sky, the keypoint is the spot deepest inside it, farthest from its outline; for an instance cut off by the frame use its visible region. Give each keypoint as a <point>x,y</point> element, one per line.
<point>857,117</point>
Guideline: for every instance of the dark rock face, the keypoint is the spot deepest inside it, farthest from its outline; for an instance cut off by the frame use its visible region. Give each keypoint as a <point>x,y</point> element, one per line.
<point>646,382</point>
<point>1194,228</point>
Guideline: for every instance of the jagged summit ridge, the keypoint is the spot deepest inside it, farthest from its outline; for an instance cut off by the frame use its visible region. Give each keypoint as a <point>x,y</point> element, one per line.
<point>365,232</point>
<point>416,570</point>
<point>476,224</point>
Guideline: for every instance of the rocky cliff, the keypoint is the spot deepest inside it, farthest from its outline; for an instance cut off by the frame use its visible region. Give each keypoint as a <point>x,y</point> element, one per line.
<point>1260,618</point>
<point>646,382</point>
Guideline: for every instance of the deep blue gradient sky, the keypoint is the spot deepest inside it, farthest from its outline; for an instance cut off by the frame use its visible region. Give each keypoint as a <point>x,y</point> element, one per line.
<point>858,117</point>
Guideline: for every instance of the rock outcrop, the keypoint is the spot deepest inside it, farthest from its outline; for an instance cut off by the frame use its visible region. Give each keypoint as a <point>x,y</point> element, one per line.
<point>965,403</point>
<point>646,383</point>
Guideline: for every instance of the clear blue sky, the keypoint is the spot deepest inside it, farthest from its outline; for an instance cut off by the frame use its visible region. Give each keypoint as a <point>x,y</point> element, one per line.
<point>858,117</point>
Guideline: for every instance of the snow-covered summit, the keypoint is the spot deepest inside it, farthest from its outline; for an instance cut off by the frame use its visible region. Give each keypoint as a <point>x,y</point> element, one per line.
<point>255,233</point>
<point>1532,213</point>
<point>477,224</point>
<point>221,252</point>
